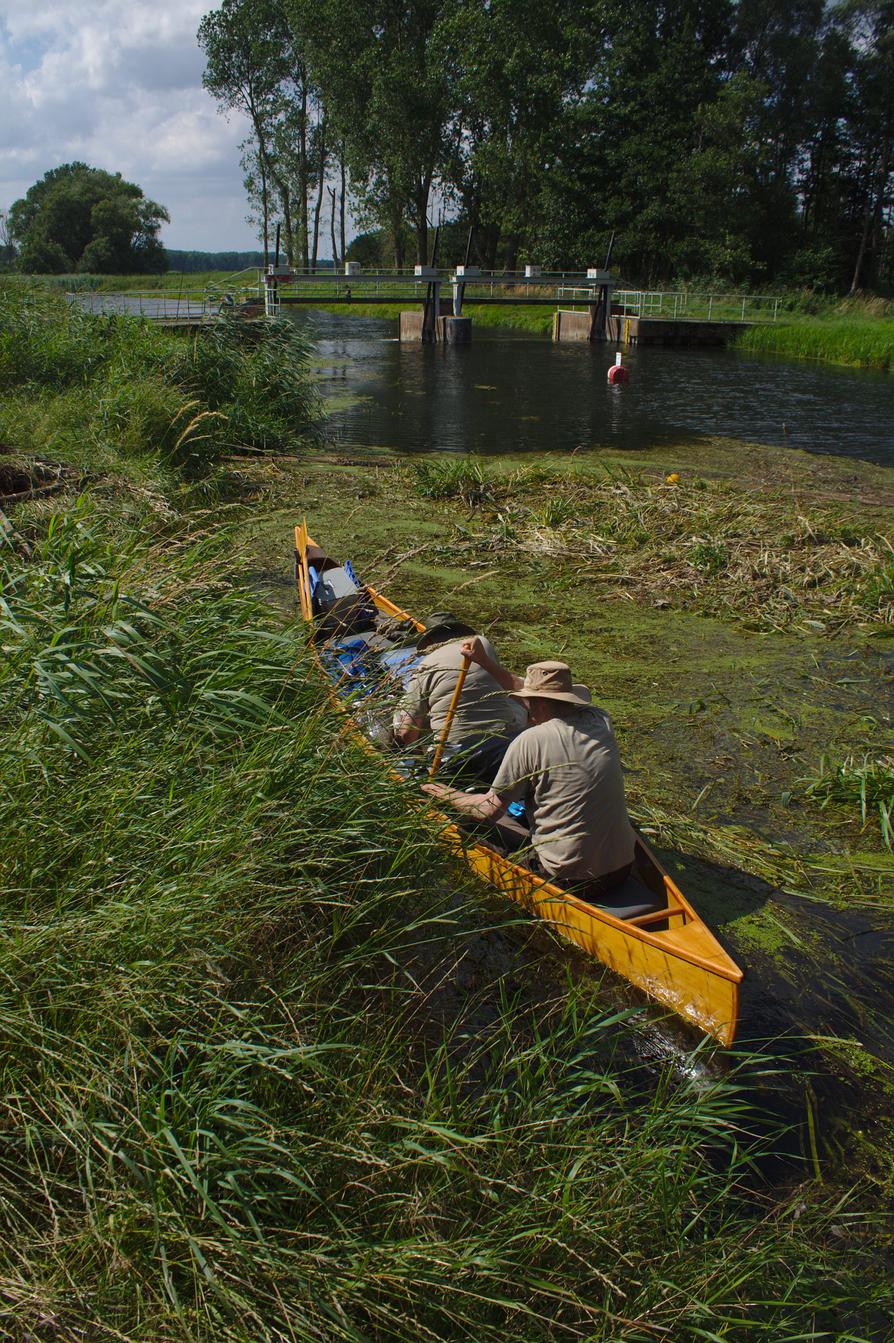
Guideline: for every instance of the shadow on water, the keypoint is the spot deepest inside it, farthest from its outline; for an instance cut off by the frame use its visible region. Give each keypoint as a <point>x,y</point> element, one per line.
<point>512,392</point>
<point>824,984</point>
<point>826,973</point>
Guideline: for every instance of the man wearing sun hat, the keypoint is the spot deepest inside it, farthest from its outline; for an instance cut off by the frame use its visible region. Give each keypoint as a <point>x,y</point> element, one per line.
<point>485,720</point>
<point>566,769</point>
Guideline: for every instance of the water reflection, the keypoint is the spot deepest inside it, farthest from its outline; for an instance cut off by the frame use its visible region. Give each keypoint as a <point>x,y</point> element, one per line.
<point>509,392</point>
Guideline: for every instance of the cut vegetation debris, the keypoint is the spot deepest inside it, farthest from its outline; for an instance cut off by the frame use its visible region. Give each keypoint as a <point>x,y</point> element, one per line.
<point>719,546</point>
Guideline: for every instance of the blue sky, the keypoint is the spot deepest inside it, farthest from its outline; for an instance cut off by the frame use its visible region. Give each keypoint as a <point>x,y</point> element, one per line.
<point>119,86</point>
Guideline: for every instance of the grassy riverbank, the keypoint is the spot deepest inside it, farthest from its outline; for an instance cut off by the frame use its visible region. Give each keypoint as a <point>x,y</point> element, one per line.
<point>865,343</point>
<point>536,320</point>
<point>273,1068</point>
<point>857,331</point>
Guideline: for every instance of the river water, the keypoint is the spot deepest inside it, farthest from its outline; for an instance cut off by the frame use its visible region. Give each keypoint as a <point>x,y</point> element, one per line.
<point>513,392</point>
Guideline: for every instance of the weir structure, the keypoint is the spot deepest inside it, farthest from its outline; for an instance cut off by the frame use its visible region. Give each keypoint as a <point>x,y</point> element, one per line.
<point>433,303</point>
<point>434,317</point>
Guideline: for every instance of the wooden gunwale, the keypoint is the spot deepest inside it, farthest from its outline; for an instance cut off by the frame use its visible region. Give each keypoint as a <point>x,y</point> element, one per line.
<point>532,891</point>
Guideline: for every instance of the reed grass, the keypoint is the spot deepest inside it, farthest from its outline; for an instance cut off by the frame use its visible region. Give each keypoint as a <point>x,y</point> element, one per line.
<point>245,1098</point>
<point>103,390</point>
<point>866,781</point>
<point>866,343</point>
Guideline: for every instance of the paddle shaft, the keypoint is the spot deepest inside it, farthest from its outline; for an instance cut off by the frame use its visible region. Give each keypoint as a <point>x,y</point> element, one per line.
<point>450,716</point>
<point>301,539</point>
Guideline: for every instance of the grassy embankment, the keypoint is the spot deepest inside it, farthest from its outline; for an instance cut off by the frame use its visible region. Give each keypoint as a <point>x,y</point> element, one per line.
<point>265,1075</point>
<point>857,331</point>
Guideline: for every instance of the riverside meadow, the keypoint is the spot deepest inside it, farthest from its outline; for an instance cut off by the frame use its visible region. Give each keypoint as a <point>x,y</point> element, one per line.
<point>274,1067</point>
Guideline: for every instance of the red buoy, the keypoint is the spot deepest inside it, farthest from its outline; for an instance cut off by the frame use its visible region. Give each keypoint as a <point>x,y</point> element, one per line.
<point>618,375</point>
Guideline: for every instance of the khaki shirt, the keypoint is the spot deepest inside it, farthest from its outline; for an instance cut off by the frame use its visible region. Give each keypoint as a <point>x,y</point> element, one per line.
<point>568,772</point>
<point>484,710</point>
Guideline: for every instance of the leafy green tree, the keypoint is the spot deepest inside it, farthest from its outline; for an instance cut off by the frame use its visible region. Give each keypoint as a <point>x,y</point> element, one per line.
<point>256,64</point>
<point>779,48</point>
<point>870,28</point>
<point>246,52</point>
<point>380,69</point>
<point>204,261</point>
<point>82,218</point>
<point>520,70</point>
<point>7,247</point>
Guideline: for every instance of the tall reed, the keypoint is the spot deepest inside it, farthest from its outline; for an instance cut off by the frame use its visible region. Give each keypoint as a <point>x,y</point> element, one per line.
<point>101,387</point>
<point>245,1094</point>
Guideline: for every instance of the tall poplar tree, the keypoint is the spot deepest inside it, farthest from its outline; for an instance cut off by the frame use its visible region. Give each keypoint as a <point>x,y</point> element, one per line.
<point>380,69</point>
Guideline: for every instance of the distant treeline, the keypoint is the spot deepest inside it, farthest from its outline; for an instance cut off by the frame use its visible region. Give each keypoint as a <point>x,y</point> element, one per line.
<point>742,141</point>
<point>202,261</point>
<point>190,262</point>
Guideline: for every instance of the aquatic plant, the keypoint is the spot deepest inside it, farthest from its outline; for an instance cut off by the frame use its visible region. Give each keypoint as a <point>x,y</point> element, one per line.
<point>866,780</point>
<point>555,512</point>
<point>463,479</point>
<point>712,556</point>
<point>246,1094</point>
<point>878,592</point>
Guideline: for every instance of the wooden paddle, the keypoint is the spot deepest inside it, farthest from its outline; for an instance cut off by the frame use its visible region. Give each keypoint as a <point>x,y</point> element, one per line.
<point>301,540</point>
<point>467,662</point>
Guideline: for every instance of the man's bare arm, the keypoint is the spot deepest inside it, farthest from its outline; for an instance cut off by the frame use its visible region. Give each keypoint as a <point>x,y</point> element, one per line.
<point>481,806</point>
<point>408,729</point>
<point>474,649</point>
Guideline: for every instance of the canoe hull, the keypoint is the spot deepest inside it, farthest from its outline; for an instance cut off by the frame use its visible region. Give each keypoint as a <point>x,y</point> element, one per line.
<point>692,988</point>
<point>670,955</point>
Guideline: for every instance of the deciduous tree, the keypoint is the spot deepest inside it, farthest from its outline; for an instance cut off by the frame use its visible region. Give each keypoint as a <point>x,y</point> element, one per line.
<point>82,218</point>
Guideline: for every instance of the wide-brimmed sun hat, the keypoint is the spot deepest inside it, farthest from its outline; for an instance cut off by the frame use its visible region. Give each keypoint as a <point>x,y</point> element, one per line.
<point>441,626</point>
<point>551,680</point>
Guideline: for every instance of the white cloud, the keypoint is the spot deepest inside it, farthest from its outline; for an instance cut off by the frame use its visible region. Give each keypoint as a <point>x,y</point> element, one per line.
<point>119,86</point>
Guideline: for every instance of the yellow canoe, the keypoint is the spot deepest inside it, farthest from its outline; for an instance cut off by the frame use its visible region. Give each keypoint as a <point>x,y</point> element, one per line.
<point>668,953</point>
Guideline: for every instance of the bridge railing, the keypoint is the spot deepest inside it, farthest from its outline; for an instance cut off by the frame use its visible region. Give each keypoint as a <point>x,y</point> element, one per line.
<point>170,305</point>
<point>704,307</point>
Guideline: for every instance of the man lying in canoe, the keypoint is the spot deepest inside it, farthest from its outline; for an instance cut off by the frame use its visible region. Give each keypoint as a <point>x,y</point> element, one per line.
<point>485,719</point>
<point>567,770</point>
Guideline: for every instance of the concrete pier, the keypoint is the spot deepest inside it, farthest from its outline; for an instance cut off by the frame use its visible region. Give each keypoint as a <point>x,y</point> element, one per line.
<point>411,326</point>
<point>621,330</point>
<point>568,325</point>
<point>446,329</point>
<point>457,330</point>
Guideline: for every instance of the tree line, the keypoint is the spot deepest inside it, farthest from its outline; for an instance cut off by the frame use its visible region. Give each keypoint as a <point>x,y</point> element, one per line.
<point>739,140</point>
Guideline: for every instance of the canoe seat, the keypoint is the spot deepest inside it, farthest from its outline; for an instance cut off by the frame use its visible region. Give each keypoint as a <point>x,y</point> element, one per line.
<point>630,900</point>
